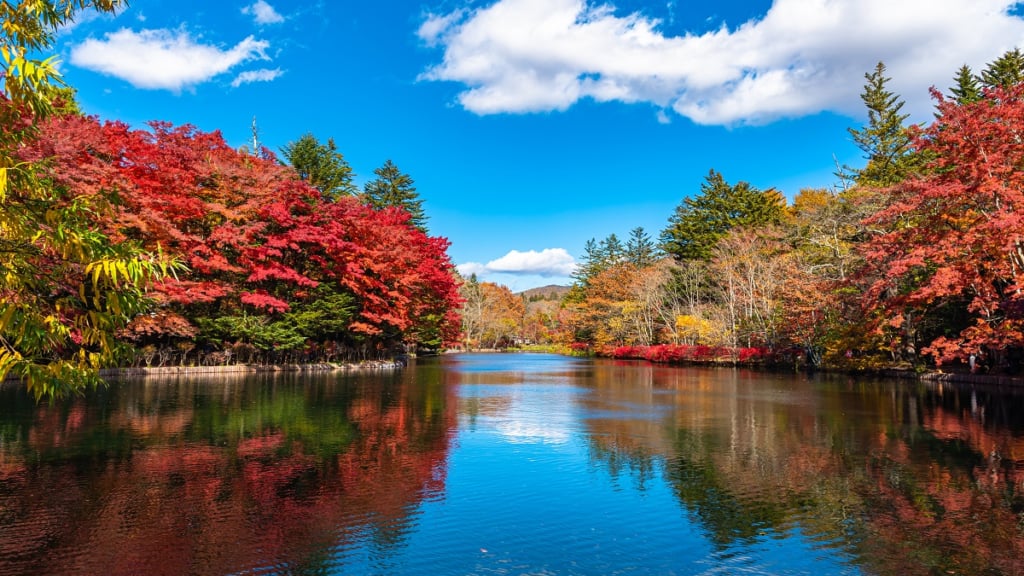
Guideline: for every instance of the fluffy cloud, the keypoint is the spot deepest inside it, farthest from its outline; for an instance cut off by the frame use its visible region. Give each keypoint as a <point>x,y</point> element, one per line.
<point>550,262</point>
<point>162,59</point>
<point>263,13</point>
<point>263,75</point>
<point>801,57</point>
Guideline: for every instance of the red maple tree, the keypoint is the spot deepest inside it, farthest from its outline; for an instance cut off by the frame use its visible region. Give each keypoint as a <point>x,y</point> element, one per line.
<point>955,235</point>
<point>253,234</point>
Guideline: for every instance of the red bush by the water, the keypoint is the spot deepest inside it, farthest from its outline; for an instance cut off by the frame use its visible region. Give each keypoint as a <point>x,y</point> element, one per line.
<point>626,352</point>
<point>752,354</point>
<point>674,353</point>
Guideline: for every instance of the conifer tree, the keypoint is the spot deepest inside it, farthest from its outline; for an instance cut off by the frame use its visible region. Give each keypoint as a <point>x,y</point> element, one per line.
<point>640,249</point>
<point>612,251</point>
<point>884,140</point>
<point>322,166</point>
<point>1004,72</point>
<point>967,89</point>
<point>699,222</point>
<point>392,188</point>
<point>595,260</point>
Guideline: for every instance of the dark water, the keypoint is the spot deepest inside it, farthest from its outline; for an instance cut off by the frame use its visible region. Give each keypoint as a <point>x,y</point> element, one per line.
<point>515,464</point>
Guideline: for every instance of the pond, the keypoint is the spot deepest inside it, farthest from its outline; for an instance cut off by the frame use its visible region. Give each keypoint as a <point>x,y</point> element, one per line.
<point>515,464</point>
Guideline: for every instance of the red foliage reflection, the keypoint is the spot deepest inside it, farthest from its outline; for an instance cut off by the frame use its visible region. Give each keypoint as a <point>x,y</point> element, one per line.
<point>141,489</point>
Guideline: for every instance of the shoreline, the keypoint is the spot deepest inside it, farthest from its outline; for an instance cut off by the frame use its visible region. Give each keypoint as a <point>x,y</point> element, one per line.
<point>371,366</point>
<point>159,371</point>
<point>241,369</point>
<point>956,377</point>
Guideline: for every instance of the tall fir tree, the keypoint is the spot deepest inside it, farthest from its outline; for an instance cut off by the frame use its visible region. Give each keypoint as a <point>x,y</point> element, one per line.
<point>612,250</point>
<point>1004,72</point>
<point>392,188</point>
<point>966,89</point>
<point>885,140</point>
<point>587,267</point>
<point>321,165</point>
<point>597,257</point>
<point>641,251</point>
<point>700,221</point>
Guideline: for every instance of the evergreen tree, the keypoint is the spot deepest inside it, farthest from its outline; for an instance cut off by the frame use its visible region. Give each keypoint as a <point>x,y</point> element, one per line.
<point>1006,71</point>
<point>699,222</point>
<point>321,165</point>
<point>967,89</point>
<point>392,188</point>
<point>884,140</point>
<point>581,276</point>
<point>597,257</point>
<point>612,251</point>
<point>640,249</point>
<point>589,265</point>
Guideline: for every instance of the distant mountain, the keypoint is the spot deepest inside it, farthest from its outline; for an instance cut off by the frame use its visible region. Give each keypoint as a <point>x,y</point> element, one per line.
<point>550,292</point>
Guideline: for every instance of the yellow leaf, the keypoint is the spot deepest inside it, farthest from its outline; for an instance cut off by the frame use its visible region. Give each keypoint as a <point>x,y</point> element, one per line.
<point>6,317</point>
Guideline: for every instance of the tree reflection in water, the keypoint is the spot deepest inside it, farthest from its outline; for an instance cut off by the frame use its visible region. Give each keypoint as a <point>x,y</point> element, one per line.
<point>177,477</point>
<point>495,463</point>
<point>907,478</point>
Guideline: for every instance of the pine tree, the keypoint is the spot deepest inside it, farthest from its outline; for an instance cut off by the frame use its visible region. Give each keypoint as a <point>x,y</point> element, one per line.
<point>884,140</point>
<point>640,249</point>
<point>699,222</point>
<point>1006,71</point>
<point>597,257</point>
<point>392,188</point>
<point>590,264</point>
<point>612,251</point>
<point>322,166</point>
<point>967,89</point>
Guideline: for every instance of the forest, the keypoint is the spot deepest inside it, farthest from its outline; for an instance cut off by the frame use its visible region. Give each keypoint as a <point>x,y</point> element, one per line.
<point>125,246</point>
<point>912,261</point>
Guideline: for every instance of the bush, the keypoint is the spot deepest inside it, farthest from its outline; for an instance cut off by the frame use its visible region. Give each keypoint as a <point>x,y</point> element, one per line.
<point>679,353</point>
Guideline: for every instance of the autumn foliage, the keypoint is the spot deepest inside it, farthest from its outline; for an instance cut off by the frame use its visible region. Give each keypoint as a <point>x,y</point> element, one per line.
<point>680,353</point>
<point>923,265</point>
<point>264,250</point>
<point>954,236</point>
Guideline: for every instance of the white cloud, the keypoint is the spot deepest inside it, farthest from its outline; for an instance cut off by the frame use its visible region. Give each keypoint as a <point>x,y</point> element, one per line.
<point>262,75</point>
<point>801,57</point>
<point>548,263</point>
<point>263,13</point>
<point>435,25</point>
<point>162,59</point>
<point>470,268</point>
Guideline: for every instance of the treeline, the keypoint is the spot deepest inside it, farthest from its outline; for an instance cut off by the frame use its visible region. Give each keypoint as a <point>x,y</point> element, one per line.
<point>913,259</point>
<point>122,246</point>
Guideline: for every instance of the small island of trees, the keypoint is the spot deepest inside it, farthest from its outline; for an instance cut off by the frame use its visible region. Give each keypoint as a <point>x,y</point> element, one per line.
<point>122,246</point>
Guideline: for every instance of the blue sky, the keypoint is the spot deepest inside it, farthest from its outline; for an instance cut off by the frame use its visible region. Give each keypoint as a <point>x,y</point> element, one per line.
<point>531,126</point>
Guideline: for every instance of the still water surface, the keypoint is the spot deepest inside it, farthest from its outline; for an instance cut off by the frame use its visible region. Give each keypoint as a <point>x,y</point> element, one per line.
<point>515,464</point>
